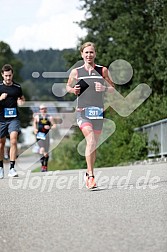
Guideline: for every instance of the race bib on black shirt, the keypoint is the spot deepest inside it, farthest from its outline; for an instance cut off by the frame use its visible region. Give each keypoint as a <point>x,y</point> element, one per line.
<point>10,112</point>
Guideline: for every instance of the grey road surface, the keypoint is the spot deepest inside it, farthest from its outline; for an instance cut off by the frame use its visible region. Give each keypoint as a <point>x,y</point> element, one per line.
<point>54,211</point>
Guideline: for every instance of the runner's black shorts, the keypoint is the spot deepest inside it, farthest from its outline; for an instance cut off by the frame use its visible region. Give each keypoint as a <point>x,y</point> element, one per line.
<point>82,121</point>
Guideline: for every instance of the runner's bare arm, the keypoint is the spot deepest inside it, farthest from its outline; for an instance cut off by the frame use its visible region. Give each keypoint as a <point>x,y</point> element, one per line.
<point>52,123</point>
<point>108,79</point>
<point>71,87</point>
<point>35,124</point>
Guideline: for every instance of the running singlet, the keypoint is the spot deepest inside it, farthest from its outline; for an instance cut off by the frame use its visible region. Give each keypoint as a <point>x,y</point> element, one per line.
<point>88,96</point>
<point>8,106</point>
<point>42,122</point>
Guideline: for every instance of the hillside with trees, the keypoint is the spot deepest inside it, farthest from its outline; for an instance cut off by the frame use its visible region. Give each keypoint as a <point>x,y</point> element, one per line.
<point>42,61</point>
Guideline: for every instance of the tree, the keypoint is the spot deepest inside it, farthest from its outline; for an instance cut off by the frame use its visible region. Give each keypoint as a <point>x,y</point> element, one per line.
<point>8,57</point>
<point>132,30</point>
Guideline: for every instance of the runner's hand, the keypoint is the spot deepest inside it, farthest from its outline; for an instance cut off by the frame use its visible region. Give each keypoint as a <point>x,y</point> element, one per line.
<point>20,101</point>
<point>47,127</point>
<point>35,131</point>
<point>77,89</point>
<point>3,96</point>
<point>99,87</point>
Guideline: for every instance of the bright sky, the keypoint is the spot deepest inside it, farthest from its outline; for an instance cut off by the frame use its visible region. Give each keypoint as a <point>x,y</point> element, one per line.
<point>40,24</point>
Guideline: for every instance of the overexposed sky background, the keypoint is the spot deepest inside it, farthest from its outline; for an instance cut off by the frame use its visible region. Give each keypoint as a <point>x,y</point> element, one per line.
<point>40,24</point>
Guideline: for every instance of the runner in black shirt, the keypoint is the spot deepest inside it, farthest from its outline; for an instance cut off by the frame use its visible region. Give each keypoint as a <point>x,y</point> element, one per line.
<point>10,97</point>
<point>42,123</point>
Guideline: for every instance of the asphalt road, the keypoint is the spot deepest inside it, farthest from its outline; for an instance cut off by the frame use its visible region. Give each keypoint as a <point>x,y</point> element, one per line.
<point>54,211</point>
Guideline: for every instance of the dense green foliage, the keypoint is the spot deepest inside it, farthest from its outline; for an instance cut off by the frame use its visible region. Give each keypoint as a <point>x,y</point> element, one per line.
<point>132,30</point>
<point>8,57</point>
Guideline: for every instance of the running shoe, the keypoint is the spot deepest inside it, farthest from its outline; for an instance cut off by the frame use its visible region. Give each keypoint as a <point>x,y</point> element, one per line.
<point>44,168</point>
<point>1,173</point>
<point>86,176</point>
<point>12,173</point>
<point>91,182</point>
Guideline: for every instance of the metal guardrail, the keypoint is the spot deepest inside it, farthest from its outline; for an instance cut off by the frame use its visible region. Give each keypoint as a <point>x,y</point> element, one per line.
<point>157,137</point>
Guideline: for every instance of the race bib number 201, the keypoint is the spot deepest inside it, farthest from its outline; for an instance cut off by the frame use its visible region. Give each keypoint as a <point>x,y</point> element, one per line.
<point>94,113</point>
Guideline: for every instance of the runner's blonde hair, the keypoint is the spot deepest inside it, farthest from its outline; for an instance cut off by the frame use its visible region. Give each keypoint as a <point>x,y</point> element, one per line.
<point>87,44</point>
